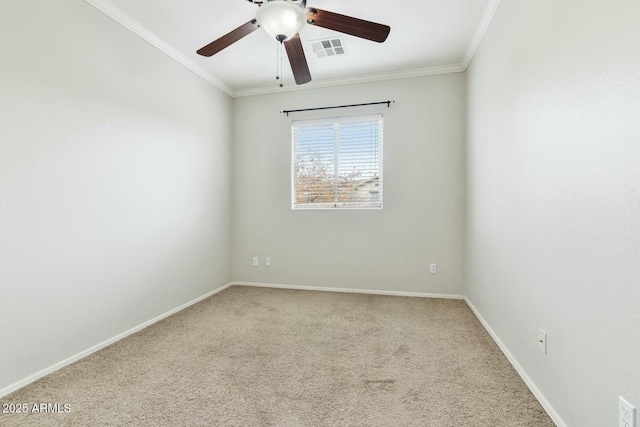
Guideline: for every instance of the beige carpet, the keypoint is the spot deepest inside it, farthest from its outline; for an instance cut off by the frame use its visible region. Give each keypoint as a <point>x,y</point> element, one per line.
<point>272,357</point>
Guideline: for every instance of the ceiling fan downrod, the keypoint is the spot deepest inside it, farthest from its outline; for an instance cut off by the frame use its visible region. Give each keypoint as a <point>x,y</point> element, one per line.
<point>259,2</point>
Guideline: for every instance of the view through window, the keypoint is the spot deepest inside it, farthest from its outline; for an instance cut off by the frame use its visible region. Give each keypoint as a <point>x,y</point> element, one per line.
<point>337,163</point>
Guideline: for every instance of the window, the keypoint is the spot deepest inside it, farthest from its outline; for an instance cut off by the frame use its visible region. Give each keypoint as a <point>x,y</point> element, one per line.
<point>337,163</point>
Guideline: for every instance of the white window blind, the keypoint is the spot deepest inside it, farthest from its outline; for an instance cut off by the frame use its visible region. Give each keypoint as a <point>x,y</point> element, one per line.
<point>337,163</point>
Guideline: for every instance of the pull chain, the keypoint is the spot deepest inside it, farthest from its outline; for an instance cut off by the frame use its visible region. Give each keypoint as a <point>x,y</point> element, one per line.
<point>279,63</point>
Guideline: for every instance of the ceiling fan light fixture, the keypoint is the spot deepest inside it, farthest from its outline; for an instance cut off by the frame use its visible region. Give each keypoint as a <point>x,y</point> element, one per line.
<point>282,19</point>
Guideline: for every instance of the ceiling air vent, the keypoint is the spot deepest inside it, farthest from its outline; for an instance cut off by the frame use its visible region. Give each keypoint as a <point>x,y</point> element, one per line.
<point>328,47</point>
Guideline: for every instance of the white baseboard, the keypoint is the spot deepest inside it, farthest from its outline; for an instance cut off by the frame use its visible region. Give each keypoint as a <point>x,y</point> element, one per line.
<point>519,369</point>
<point>350,291</point>
<point>534,389</point>
<point>31,378</point>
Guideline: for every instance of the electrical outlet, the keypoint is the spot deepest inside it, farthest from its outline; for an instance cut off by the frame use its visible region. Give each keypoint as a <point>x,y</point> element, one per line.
<point>267,261</point>
<point>542,341</point>
<point>255,261</point>
<point>626,413</point>
<point>433,268</point>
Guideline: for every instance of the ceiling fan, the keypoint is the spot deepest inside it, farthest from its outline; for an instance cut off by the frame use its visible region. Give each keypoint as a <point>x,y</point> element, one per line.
<point>283,20</point>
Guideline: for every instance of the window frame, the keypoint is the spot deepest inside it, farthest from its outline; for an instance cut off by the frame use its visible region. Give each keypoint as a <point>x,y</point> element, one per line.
<point>378,205</point>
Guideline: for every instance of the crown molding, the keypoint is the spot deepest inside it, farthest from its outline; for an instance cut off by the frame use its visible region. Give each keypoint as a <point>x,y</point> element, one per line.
<point>367,78</point>
<point>483,26</point>
<point>126,21</point>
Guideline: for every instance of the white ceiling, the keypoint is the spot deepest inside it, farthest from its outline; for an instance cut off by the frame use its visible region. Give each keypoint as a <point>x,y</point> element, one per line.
<point>427,37</point>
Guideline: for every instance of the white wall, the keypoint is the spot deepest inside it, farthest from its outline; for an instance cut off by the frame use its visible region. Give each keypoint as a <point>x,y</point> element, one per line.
<point>388,249</point>
<point>553,198</point>
<point>114,183</point>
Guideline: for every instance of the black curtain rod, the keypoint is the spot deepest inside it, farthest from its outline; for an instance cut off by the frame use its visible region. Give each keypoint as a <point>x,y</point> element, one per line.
<point>337,106</point>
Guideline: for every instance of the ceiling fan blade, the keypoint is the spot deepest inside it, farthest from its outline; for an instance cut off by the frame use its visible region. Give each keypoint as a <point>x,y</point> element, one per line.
<point>297,60</point>
<point>228,39</point>
<point>348,25</point>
